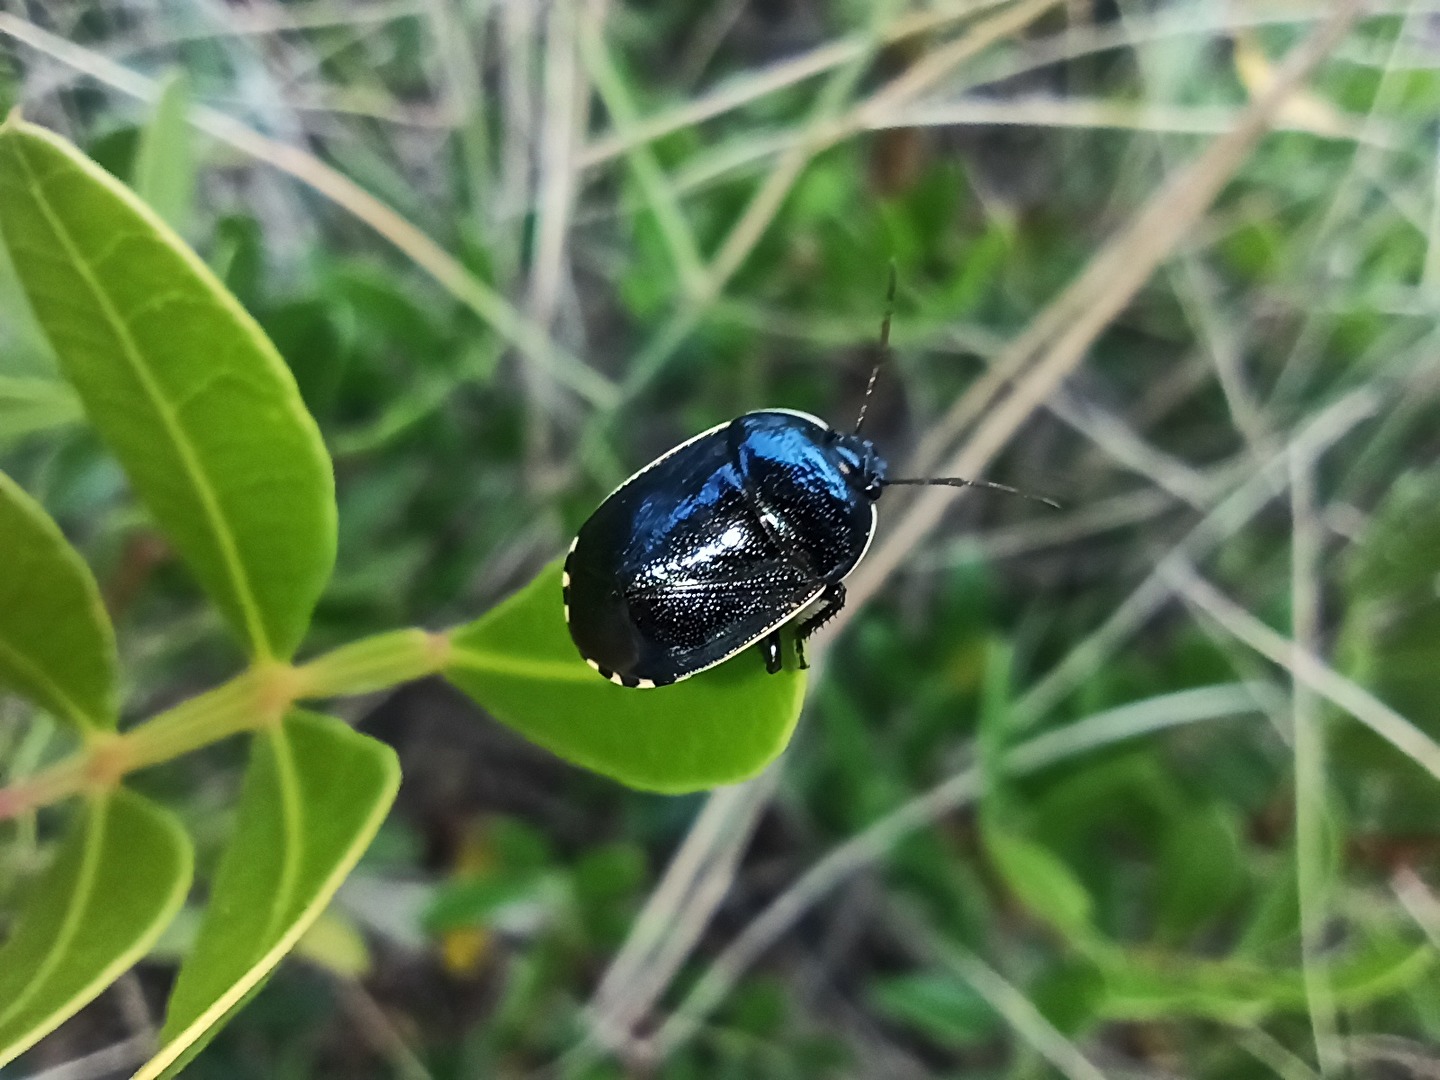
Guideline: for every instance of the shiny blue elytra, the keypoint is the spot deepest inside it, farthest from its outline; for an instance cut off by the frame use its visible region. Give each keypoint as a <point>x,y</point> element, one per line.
<point>718,544</point>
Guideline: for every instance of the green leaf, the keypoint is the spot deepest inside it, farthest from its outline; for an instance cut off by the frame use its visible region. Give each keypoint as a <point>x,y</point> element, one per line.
<point>1201,870</point>
<point>939,1006</point>
<point>179,381</point>
<point>164,162</point>
<point>315,793</point>
<point>118,878</point>
<point>720,727</point>
<point>56,643</point>
<point>29,404</point>
<point>335,944</point>
<point>1393,613</point>
<point>1143,985</point>
<point>1042,882</point>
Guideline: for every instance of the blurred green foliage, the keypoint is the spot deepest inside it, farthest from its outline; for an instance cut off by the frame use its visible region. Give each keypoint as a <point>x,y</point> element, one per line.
<point>1142,896</point>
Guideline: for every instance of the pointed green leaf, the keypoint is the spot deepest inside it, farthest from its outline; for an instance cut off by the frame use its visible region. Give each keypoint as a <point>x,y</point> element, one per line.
<point>56,644</point>
<point>116,882</point>
<point>164,164</point>
<point>1042,882</point>
<point>719,727</point>
<point>1145,985</point>
<point>179,381</point>
<point>938,1005</point>
<point>315,792</point>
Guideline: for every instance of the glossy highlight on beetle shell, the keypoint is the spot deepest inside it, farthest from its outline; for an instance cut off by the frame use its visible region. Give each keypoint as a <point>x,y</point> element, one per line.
<point>716,544</point>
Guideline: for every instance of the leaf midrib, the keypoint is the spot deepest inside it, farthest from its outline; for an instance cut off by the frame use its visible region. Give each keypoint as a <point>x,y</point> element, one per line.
<point>80,900</point>
<point>71,709</point>
<point>467,658</point>
<point>176,1047</point>
<point>292,826</point>
<point>209,501</point>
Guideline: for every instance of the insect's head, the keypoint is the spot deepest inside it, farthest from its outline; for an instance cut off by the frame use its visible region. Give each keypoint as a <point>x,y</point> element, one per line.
<point>858,453</point>
<point>861,463</point>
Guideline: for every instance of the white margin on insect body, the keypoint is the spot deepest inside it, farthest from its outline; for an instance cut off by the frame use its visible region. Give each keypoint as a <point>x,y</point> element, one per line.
<point>650,684</point>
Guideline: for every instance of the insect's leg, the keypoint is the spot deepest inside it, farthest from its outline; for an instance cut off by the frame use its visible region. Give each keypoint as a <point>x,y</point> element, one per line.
<point>832,600</point>
<point>770,649</point>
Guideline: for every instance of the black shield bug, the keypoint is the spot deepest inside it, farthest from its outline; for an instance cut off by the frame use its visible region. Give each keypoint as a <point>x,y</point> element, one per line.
<point>716,545</point>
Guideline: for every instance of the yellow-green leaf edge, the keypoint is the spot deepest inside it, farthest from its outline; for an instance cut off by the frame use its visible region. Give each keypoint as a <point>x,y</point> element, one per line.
<point>173,1053</point>
<point>258,632</point>
<point>95,709</point>
<point>168,829</point>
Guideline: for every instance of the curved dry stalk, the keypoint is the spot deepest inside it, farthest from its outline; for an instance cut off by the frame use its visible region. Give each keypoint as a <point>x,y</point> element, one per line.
<point>743,90</point>
<point>829,122</point>
<point>1072,322</point>
<point>871,844</point>
<point>1307,668</point>
<point>1308,745</point>
<point>1008,1001</point>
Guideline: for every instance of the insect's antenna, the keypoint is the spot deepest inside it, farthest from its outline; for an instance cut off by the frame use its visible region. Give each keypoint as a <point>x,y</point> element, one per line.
<point>955,481</point>
<point>884,350</point>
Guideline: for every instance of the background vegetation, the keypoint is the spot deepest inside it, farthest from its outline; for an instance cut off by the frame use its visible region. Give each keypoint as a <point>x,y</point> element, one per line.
<point>1146,787</point>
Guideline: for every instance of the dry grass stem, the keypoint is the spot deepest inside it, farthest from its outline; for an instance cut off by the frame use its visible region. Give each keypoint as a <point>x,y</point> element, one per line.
<point>870,845</point>
<point>339,189</point>
<point>1306,667</point>
<point>676,911</point>
<point>1075,319</point>
<point>1229,516</point>
<point>741,91</point>
<point>1308,741</point>
<point>659,196</point>
<point>1018,1011</point>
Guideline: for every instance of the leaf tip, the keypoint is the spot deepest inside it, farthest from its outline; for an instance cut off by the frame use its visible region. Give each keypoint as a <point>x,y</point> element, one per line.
<point>13,119</point>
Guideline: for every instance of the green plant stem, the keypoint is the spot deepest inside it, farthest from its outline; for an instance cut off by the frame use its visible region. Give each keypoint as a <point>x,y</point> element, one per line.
<point>254,699</point>
<point>375,663</point>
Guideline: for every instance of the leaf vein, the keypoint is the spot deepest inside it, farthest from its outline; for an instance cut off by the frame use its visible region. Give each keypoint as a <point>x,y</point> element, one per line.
<point>79,901</point>
<point>72,709</point>
<point>204,492</point>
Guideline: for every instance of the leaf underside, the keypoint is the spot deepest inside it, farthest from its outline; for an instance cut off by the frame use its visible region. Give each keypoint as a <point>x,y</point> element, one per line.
<point>719,727</point>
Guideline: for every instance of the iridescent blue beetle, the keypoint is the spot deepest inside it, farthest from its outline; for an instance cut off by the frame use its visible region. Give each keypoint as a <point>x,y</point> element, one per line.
<point>718,544</point>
